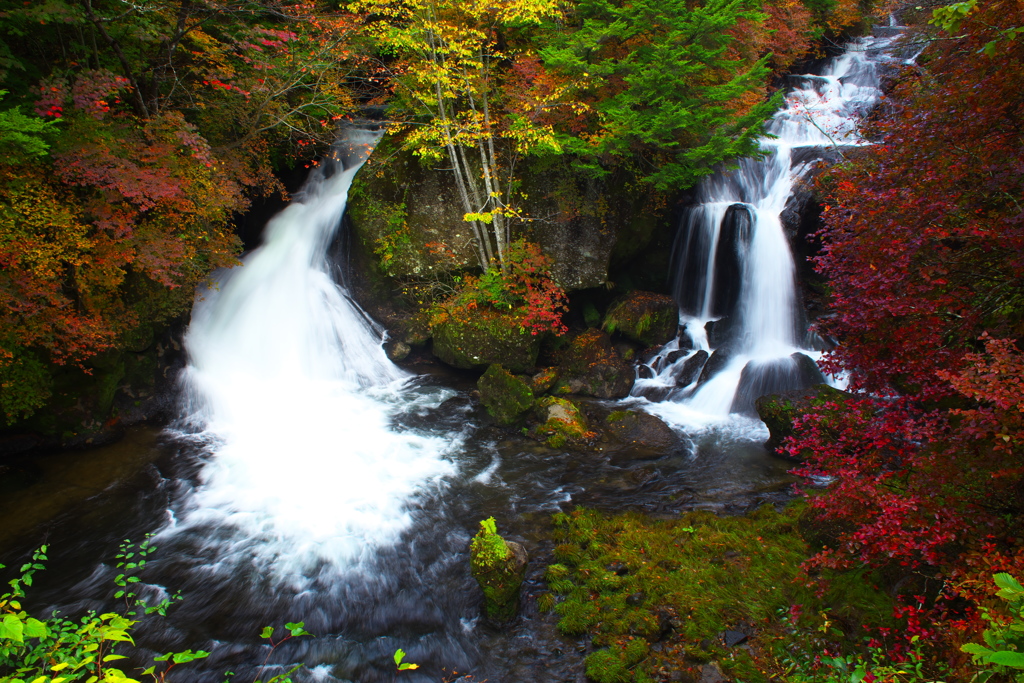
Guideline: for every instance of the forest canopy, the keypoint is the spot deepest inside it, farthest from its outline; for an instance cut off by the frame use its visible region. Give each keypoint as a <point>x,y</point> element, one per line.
<point>133,134</point>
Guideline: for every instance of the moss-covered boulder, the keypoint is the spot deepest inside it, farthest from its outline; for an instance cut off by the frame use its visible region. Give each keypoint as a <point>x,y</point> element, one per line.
<point>544,381</point>
<point>483,340</point>
<point>563,424</point>
<point>591,366</point>
<point>645,317</point>
<point>505,396</point>
<point>499,566</point>
<point>778,411</point>
<point>642,431</point>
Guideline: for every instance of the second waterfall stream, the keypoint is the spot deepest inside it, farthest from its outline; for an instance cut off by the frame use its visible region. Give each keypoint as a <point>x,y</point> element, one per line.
<point>744,333</point>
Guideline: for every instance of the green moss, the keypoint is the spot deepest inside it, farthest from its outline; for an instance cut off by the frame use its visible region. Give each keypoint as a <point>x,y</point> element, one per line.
<point>619,577</point>
<point>483,340</point>
<point>644,317</point>
<point>498,571</point>
<point>505,396</point>
<point>564,423</point>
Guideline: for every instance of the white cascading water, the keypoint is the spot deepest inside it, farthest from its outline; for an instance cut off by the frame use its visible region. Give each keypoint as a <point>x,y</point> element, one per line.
<point>760,298</point>
<point>294,396</point>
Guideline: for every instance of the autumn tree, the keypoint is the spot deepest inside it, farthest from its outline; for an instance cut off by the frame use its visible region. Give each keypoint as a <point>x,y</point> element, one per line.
<point>923,246</point>
<point>140,130</point>
<point>447,61</point>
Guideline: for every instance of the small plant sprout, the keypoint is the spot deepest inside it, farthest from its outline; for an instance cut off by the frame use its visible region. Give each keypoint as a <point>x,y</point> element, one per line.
<point>403,666</point>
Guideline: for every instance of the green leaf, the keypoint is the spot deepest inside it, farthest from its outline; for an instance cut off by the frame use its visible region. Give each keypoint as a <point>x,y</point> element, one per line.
<point>399,656</point>
<point>1004,580</point>
<point>12,628</point>
<point>267,632</point>
<point>1007,658</point>
<point>35,628</point>
<point>975,649</point>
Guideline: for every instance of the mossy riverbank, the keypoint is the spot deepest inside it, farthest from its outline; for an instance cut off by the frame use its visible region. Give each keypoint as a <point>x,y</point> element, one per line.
<point>702,598</point>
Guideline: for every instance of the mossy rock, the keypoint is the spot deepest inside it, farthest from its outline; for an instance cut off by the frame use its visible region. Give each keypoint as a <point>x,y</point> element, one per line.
<point>778,411</point>
<point>563,424</point>
<point>499,566</point>
<point>645,317</point>
<point>591,366</point>
<point>544,381</point>
<point>486,339</point>
<point>505,396</point>
<point>641,430</point>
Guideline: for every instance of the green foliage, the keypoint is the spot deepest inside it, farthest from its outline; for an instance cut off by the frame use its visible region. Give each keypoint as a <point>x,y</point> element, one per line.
<point>663,83</point>
<point>58,649</point>
<point>22,138</point>
<point>948,18</point>
<point>62,650</point>
<point>1003,651</point>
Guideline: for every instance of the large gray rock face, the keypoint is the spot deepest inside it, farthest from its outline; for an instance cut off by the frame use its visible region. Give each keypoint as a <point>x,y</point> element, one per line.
<point>412,219</point>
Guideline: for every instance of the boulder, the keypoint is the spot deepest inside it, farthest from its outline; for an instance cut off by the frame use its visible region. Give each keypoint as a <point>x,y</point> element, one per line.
<point>778,411</point>
<point>397,351</point>
<point>564,424</point>
<point>720,358</point>
<point>690,369</point>
<point>484,340</point>
<point>543,381</point>
<point>590,366</point>
<point>645,317</point>
<point>505,396</point>
<point>761,378</point>
<point>499,566</point>
<point>642,430</point>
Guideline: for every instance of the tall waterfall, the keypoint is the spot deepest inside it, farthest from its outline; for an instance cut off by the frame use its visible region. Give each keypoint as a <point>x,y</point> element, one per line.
<point>744,334</point>
<point>290,390</point>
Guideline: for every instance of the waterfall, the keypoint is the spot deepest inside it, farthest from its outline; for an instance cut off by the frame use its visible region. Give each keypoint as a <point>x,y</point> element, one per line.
<point>292,396</point>
<point>734,272</point>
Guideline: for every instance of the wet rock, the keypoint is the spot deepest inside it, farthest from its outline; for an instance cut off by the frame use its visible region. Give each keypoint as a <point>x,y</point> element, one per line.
<point>499,566</point>
<point>590,366</point>
<point>641,430</point>
<point>690,369</point>
<point>543,381</point>
<point>730,255</point>
<point>564,424</point>
<point>712,673</point>
<point>778,411</point>
<point>618,568</point>
<point>761,378</point>
<point>645,317</point>
<point>733,638</point>
<point>505,396</point>
<point>672,356</point>
<point>716,363</point>
<point>485,340</point>
<point>682,677</point>
<point>397,351</point>
<point>717,331</point>
<point>645,372</point>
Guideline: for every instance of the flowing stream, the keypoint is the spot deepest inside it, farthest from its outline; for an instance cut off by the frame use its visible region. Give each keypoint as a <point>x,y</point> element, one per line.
<point>309,479</point>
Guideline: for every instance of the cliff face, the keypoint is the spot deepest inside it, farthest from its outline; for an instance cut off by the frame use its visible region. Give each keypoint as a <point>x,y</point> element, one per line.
<point>411,220</point>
